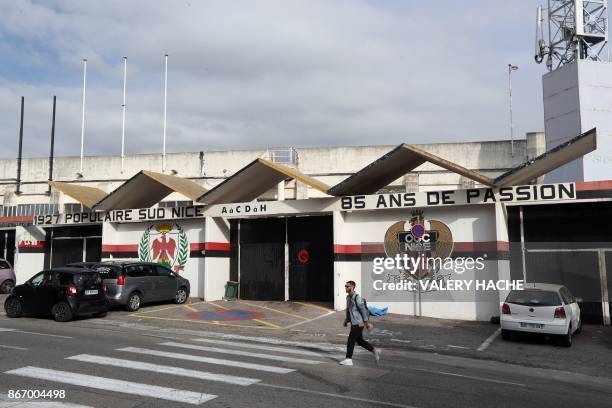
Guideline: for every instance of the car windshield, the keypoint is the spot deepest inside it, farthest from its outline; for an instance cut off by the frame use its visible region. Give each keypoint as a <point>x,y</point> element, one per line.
<point>86,279</point>
<point>532,297</point>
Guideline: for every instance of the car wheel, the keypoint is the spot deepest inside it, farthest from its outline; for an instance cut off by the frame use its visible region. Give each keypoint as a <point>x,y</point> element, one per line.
<point>133,303</point>
<point>13,307</point>
<point>566,341</point>
<point>7,286</point>
<point>181,296</point>
<point>506,334</point>
<point>61,312</point>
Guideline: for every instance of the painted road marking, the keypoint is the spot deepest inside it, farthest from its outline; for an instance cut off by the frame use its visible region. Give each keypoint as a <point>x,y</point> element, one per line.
<point>164,369</point>
<point>6,329</point>
<point>214,323</point>
<point>109,384</point>
<point>231,363</point>
<point>308,321</point>
<point>5,401</point>
<point>274,310</point>
<point>240,353</point>
<point>36,333</point>
<point>401,341</point>
<point>163,308</point>
<point>275,341</point>
<point>272,325</point>
<point>485,344</point>
<point>275,326</point>
<point>471,377</point>
<point>193,309</point>
<point>458,347</point>
<point>12,347</point>
<point>260,347</point>
<point>340,396</point>
<point>325,309</point>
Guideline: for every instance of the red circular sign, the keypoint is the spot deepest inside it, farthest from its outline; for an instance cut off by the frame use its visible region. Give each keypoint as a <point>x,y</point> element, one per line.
<point>303,256</point>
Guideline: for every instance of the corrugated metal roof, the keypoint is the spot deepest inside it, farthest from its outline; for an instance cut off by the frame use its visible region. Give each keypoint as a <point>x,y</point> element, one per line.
<point>88,196</point>
<point>253,180</point>
<point>148,188</point>
<point>393,165</point>
<point>553,159</point>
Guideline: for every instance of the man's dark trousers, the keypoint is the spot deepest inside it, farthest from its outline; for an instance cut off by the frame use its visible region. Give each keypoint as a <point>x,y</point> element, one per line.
<point>356,336</point>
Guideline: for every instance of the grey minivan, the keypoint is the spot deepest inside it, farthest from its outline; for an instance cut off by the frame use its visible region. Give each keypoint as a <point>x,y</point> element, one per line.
<point>7,277</point>
<point>130,284</point>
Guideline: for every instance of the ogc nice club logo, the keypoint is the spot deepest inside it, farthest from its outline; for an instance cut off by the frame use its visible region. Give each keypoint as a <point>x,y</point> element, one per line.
<point>165,244</point>
<point>419,238</point>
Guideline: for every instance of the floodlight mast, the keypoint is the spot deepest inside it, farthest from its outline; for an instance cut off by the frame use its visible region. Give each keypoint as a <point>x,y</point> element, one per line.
<point>577,29</point>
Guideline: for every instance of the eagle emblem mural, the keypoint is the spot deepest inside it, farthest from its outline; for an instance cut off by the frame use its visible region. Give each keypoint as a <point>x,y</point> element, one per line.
<point>165,244</point>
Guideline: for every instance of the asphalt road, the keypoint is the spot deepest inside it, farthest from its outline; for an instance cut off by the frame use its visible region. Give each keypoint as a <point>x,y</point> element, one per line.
<point>102,365</point>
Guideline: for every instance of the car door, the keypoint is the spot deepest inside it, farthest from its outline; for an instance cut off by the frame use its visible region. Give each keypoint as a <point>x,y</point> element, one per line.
<point>27,293</point>
<point>166,283</point>
<point>47,293</point>
<point>573,304</point>
<point>139,279</point>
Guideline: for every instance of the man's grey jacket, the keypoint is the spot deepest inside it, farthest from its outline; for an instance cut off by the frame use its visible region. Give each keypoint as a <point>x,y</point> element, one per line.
<point>356,312</point>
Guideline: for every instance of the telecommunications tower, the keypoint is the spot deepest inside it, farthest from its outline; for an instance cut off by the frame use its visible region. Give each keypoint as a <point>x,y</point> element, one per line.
<point>577,29</point>
<point>578,87</point>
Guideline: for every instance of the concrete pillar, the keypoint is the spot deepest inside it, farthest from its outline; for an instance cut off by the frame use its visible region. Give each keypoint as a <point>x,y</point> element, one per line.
<point>216,269</point>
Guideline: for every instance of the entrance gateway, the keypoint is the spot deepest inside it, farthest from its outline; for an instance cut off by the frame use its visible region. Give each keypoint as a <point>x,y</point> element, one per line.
<point>289,258</point>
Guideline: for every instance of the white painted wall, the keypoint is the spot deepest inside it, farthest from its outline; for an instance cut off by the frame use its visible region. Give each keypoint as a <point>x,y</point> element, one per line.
<point>216,270</point>
<point>131,234</point>
<point>467,224</point>
<point>28,264</point>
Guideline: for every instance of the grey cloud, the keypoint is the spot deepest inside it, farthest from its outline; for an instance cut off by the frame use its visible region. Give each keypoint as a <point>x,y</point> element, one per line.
<point>246,74</point>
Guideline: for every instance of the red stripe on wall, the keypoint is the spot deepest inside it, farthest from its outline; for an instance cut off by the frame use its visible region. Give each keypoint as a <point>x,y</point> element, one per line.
<point>196,246</point>
<point>120,248</point>
<point>209,246</point>
<point>358,249</point>
<point>594,185</point>
<point>485,246</point>
<point>31,244</point>
<point>21,218</point>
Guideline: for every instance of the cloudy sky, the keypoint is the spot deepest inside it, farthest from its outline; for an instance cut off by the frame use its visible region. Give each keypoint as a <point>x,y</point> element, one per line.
<point>253,74</point>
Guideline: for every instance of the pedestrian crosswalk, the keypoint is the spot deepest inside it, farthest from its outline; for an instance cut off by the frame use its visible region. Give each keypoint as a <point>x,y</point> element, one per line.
<point>241,353</point>
<point>164,359</point>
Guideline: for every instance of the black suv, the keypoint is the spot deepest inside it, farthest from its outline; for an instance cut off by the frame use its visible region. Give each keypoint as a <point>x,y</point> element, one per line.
<point>61,292</point>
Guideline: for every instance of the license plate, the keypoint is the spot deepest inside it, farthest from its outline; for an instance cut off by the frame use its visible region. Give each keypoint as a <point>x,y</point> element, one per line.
<point>91,292</point>
<point>532,325</point>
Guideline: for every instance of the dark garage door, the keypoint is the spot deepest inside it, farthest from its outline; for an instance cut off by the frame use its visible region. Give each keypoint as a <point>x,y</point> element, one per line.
<point>311,258</point>
<point>262,259</point>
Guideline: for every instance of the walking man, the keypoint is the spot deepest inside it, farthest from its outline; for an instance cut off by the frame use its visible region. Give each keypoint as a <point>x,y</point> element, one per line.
<point>357,316</point>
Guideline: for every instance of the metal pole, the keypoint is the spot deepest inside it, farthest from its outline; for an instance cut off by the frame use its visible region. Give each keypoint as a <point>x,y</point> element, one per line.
<point>523,262</point>
<point>19,155</point>
<point>510,69</point>
<point>52,144</point>
<point>165,104</point>
<point>83,116</point>
<point>123,106</point>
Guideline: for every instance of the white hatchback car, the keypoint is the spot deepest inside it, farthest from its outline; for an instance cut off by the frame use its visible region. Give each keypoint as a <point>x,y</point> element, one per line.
<point>541,308</point>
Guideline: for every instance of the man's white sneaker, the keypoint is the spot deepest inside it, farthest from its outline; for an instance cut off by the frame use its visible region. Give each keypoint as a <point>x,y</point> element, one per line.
<point>377,355</point>
<point>347,362</point>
